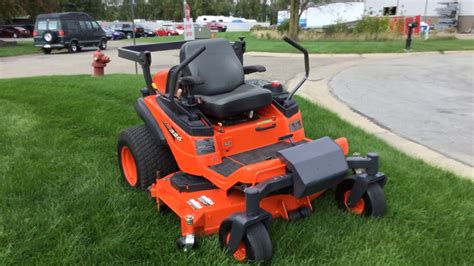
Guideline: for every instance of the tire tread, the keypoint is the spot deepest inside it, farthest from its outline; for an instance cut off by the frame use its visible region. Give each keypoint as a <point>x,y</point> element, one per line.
<point>149,156</point>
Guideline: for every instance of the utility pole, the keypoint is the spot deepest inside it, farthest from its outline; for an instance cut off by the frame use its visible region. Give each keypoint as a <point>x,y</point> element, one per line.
<point>426,8</point>
<point>398,5</point>
<point>133,30</point>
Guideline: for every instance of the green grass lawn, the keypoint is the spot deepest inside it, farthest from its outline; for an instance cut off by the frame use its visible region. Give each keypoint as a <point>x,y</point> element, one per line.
<point>397,46</point>
<point>262,45</point>
<point>22,48</point>
<point>62,200</point>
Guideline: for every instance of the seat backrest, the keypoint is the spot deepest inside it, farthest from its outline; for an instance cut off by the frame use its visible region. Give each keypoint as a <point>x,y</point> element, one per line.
<point>218,66</point>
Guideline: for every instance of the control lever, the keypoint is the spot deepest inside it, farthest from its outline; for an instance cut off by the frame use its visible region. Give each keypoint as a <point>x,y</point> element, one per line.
<point>306,68</point>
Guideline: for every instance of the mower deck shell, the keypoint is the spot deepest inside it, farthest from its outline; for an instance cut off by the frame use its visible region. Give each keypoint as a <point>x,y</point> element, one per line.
<point>208,219</point>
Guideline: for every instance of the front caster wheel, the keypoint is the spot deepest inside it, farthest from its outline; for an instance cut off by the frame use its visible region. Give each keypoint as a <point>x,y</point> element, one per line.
<point>256,245</point>
<point>305,211</point>
<point>372,202</point>
<point>187,243</point>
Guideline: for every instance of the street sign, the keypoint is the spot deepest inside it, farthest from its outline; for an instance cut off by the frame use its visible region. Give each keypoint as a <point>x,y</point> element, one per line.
<point>188,23</point>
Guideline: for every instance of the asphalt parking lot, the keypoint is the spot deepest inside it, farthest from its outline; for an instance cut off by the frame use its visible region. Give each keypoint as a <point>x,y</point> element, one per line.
<point>427,98</point>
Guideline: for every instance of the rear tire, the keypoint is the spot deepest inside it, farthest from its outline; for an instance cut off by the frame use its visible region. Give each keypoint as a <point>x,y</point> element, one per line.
<point>103,44</point>
<point>46,50</point>
<point>73,47</point>
<point>141,159</point>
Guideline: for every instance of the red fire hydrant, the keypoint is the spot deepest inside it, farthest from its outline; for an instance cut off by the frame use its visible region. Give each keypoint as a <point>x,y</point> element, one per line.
<point>99,63</point>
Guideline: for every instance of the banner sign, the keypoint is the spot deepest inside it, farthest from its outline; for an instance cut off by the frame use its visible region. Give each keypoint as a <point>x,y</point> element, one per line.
<point>188,23</point>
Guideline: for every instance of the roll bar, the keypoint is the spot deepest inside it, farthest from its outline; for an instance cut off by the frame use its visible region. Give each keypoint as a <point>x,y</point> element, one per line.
<point>306,67</point>
<point>142,55</point>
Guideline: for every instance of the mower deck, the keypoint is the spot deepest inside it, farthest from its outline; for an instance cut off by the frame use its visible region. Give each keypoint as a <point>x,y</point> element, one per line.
<point>207,214</point>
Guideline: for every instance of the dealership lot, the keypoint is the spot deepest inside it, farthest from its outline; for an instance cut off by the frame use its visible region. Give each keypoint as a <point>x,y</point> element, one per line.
<point>427,98</point>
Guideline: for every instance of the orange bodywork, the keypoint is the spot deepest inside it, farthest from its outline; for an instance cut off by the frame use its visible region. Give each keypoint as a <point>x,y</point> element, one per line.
<point>159,81</point>
<point>208,219</point>
<point>228,141</point>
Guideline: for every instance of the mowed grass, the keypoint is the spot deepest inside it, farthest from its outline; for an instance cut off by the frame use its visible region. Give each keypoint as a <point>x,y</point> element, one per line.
<point>23,47</point>
<point>62,200</point>
<point>278,46</point>
<point>337,47</point>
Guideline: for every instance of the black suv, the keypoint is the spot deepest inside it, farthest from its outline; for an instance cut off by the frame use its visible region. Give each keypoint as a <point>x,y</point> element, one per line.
<point>71,30</point>
<point>127,29</point>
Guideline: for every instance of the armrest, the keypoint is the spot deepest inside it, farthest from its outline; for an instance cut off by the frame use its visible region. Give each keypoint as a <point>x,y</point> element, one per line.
<point>253,69</point>
<point>191,81</point>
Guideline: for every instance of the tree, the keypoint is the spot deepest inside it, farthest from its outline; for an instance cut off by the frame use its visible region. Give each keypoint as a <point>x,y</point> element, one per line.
<point>13,8</point>
<point>92,7</point>
<point>296,9</point>
<point>275,6</point>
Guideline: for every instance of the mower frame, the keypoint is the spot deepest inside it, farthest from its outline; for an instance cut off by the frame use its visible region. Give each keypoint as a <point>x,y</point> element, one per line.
<point>281,186</point>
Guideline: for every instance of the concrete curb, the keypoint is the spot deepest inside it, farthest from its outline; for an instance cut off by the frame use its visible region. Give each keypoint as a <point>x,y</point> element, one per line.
<point>319,92</point>
<point>377,55</point>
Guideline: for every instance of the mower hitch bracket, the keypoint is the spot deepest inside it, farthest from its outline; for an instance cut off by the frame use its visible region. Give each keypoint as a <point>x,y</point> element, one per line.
<point>370,162</point>
<point>363,180</point>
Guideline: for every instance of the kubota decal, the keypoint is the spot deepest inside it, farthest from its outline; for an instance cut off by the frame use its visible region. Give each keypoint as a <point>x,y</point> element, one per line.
<point>173,132</point>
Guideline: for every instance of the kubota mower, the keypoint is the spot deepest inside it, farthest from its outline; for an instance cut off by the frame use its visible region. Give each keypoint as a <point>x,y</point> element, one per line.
<point>229,155</point>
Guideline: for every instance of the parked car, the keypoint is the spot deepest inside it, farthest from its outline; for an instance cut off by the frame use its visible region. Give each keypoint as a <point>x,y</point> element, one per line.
<point>70,30</point>
<point>147,32</point>
<point>169,31</point>
<point>29,27</point>
<point>180,29</point>
<point>128,29</point>
<point>113,35</point>
<point>108,33</point>
<point>14,32</point>
<point>117,35</point>
<point>217,26</point>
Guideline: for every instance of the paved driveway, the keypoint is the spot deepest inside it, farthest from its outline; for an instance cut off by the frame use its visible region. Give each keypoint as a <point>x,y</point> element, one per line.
<point>426,98</point>
<point>282,68</point>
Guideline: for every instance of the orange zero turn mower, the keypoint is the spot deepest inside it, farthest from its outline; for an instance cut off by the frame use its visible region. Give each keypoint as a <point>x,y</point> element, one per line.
<point>228,155</point>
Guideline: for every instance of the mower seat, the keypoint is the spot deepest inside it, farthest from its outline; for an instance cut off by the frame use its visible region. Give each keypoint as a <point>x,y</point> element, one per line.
<point>224,92</point>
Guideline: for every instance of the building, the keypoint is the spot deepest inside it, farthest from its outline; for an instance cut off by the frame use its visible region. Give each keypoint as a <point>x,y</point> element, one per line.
<point>441,13</point>
<point>319,16</point>
<point>438,11</point>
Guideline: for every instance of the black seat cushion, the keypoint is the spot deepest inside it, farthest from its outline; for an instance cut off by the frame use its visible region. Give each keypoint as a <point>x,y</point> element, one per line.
<point>244,98</point>
<point>224,92</point>
<point>218,66</point>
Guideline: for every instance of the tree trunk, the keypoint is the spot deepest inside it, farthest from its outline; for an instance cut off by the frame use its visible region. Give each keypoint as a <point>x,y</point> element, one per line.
<point>294,19</point>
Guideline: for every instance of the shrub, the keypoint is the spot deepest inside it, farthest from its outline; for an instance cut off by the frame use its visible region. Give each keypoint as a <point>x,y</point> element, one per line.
<point>284,26</point>
<point>258,27</point>
<point>336,28</point>
<point>372,25</point>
